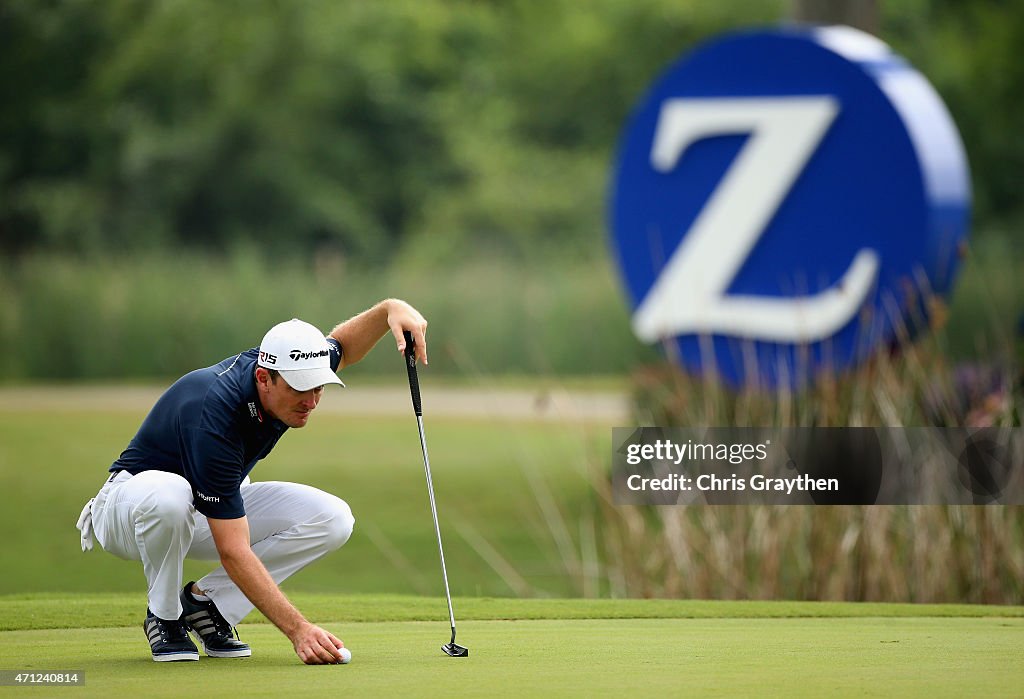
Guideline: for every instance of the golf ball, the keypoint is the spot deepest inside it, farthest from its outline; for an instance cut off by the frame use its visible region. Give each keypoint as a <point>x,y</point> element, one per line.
<point>346,656</point>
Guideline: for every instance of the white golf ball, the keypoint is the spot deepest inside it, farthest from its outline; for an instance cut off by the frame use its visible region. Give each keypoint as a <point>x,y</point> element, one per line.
<point>346,656</point>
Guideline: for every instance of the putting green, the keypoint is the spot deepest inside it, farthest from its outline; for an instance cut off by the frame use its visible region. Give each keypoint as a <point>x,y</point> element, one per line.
<point>896,651</point>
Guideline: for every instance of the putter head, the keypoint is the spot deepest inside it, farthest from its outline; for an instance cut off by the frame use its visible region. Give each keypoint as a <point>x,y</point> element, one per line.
<point>455,650</point>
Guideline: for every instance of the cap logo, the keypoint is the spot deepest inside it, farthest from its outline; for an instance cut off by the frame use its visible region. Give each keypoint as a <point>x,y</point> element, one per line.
<point>268,358</point>
<point>297,354</point>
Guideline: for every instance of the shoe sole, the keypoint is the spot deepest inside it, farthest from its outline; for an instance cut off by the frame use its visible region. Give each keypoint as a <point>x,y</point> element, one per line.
<point>227,653</point>
<point>172,657</point>
<point>220,653</point>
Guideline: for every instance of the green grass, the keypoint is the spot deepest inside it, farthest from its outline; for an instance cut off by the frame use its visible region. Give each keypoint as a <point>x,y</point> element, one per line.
<point>552,648</point>
<point>37,611</point>
<point>485,475</point>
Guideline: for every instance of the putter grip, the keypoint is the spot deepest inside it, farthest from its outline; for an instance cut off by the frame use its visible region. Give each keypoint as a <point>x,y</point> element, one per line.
<point>410,366</point>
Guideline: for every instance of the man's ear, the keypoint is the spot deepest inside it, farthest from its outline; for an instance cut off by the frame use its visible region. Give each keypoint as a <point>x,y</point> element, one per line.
<point>262,378</point>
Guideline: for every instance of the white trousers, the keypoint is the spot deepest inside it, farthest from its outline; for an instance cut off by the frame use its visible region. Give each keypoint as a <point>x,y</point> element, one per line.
<point>150,518</point>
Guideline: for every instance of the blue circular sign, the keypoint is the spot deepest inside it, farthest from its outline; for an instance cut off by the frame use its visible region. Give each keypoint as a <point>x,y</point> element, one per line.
<point>784,201</point>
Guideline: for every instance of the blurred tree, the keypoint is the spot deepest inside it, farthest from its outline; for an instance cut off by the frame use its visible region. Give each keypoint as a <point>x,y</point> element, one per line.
<point>291,125</point>
<point>970,52</point>
<point>862,14</point>
<point>437,126</point>
<point>535,133</point>
<point>46,52</point>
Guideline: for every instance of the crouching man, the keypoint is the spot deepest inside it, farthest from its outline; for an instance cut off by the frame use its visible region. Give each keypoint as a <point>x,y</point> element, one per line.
<point>181,489</point>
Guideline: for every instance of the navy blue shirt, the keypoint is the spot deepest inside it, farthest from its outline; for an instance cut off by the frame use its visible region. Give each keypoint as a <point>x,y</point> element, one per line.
<point>210,428</point>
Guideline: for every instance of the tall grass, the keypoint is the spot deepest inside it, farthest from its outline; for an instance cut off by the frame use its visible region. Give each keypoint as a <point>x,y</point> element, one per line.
<point>854,553</point>
<point>858,553</point>
<point>159,316</point>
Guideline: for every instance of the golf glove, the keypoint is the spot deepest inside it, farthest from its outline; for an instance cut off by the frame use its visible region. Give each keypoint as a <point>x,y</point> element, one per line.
<point>85,525</point>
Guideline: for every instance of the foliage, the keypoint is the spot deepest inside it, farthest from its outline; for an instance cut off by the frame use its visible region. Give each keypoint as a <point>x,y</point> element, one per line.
<point>969,51</point>
<point>303,125</point>
<point>431,126</point>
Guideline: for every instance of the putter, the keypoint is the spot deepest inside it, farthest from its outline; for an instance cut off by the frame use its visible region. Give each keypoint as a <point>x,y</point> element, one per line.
<point>452,649</point>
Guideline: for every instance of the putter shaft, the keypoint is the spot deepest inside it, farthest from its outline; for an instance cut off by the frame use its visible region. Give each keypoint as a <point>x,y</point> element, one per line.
<point>437,527</point>
<point>451,649</point>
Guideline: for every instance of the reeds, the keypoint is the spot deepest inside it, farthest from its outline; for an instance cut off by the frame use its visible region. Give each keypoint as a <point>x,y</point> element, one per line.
<point>971,554</point>
<point>908,553</point>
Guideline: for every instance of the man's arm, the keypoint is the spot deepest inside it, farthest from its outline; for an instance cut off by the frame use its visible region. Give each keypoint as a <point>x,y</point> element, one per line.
<point>313,645</point>
<point>359,334</point>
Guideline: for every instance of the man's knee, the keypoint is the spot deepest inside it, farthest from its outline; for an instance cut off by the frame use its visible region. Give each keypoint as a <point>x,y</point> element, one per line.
<point>312,513</point>
<point>338,524</point>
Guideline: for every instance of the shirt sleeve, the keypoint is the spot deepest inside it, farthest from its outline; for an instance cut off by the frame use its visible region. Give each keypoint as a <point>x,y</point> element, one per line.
<point>336,353</point>
<point>213,465</point>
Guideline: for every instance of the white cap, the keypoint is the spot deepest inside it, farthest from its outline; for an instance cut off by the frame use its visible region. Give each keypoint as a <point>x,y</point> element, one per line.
<point>300,352</point>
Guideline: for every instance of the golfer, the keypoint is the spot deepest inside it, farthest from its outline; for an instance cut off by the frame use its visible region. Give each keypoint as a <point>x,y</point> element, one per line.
<point>182,489</point>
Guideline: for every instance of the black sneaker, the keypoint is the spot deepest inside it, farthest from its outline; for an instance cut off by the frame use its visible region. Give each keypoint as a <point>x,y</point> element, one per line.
<point>169,639</point>
<point>213,631</point>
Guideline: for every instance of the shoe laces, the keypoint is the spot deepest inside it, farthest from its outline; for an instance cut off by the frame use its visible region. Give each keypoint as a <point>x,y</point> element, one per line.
<point>177,630</point>
<point>220,624</point>
<point>171,630</point>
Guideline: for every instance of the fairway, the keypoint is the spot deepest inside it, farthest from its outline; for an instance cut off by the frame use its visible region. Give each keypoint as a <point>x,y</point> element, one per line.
<point>490,477</point>
<point>693,649</point>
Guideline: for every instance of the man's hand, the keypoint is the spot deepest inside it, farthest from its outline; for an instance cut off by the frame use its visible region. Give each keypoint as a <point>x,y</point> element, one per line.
<point>313,645</point>
<point>316,646</point>
<point>361,332</point>
<point>402,316</point>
